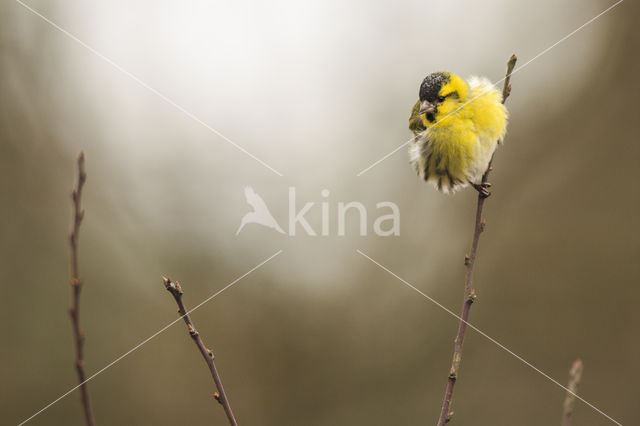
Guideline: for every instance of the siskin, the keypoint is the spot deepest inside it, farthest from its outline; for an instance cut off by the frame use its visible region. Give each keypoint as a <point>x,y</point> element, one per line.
<point>457,127</point>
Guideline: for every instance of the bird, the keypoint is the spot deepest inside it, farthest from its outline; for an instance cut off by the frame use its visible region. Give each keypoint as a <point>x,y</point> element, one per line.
<point>457,126</point>
<point>260,214</point>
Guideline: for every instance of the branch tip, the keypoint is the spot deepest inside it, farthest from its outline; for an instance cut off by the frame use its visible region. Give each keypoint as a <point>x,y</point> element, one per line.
<point>82,175</point>
<point>576,369</point>
<point>174,288</point>
<point>575,374</point>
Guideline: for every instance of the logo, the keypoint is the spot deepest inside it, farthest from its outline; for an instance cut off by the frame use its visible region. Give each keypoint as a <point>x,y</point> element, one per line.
<point>260,214</point>
<point>384,225</point>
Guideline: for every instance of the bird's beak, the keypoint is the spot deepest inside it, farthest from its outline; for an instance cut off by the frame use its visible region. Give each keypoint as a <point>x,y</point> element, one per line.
<point>426,107</point>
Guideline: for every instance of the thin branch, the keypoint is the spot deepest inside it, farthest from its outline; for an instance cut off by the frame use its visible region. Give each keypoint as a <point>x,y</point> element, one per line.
<point>174,288</point>
<point>76,285</point>
<point>469,293</point>
<point>575,373</point>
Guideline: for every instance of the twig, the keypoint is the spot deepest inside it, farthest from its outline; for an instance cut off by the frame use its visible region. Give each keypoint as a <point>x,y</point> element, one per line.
<point>469,261</point>
<point>575,373</point>
<point>76,285</point>
<point>176,291</point>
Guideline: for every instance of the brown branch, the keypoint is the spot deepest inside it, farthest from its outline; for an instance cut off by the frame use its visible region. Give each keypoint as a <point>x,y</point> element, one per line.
<point>575,373</point>
<point>469,292</point>
<point>76,285</point>
<point>176,291</point>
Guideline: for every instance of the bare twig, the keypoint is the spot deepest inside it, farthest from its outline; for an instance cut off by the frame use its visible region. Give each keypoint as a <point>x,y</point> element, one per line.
<point>575,373</point>
<point>469,292</point>
<point>176,291</point>
<point>76,285</point>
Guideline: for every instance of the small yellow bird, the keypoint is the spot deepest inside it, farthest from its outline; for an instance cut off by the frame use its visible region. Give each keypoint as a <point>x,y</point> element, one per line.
<point>457,127</point>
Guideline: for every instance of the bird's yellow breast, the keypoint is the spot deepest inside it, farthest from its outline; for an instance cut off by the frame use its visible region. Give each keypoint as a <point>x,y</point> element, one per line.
<point>488,114</point>
<point>452,152</point>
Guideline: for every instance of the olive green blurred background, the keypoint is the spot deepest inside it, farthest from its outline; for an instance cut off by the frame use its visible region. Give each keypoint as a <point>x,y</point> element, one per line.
<point>319,335</point>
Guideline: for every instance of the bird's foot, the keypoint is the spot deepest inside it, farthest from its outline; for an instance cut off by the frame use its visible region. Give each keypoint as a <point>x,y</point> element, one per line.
<point>482,188</point>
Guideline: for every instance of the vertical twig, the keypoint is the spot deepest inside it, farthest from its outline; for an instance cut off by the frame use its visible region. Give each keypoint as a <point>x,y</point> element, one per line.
<point>76,285</point>
<point>575,373</point>
<point>469,261</point>
<point>176,291</point>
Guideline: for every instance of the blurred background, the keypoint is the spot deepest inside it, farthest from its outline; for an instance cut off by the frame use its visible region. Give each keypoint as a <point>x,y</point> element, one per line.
<point>319,91</point>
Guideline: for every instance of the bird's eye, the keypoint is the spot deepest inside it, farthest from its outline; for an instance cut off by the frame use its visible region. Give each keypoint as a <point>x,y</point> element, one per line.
<point>441,98</point>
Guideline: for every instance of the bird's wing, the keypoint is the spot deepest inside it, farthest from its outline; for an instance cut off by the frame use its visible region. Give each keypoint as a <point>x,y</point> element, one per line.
<point>420,149</point>
<point>415,121</point>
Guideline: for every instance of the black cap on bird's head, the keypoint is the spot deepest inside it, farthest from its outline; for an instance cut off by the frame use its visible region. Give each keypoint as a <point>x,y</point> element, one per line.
<point>440,94</point>
<point>431,85</point>
<point>430,93</point>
